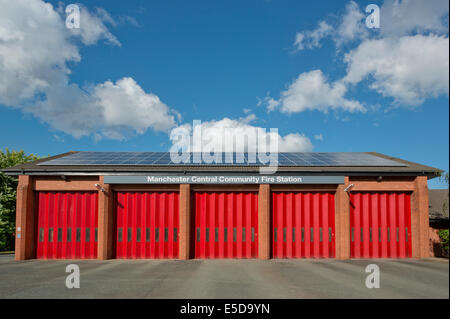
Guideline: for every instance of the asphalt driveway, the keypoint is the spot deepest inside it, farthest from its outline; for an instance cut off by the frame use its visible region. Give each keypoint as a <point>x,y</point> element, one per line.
<point>224,279</point>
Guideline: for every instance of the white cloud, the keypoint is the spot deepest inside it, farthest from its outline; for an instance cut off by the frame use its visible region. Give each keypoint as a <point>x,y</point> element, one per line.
<point>294,142</point>
<point>93,28</point>
<point>271,103</point>
<point>352,26</point>
<point>311,91</point>
<point>311,39</point>
<point>318,137</point>
<point>35,49</point>
<point>397,18</point>
<point>403,17</point>
<point>348,27</point>
<point>110,110</point>
<point>125,103</point>
<point>105,17</point>
<point>115,21</point>
<point>409,69</point>
<point>407,59</point>
<point>228,135</point>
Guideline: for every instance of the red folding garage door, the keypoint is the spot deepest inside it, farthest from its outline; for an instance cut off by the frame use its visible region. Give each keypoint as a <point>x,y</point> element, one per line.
<point>303,224</point>
<point>147,225</point>
<point>67,225</point>
<point>380,225</point>
<point>226,224</point>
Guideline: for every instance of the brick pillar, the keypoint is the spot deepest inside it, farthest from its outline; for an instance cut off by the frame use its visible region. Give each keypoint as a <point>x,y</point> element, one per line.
<point>25,219</point>
<point>264,221</point>
<point>105,222</point>
<point>420,219</point>
<point>185,219</point>
<point>342,222</point>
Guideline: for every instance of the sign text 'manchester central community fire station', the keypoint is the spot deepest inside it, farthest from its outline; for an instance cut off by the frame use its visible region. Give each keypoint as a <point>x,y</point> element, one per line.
<point>223,179</point>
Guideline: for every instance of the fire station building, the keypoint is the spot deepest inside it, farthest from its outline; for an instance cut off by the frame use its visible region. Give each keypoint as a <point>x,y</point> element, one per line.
<point>103,205</point>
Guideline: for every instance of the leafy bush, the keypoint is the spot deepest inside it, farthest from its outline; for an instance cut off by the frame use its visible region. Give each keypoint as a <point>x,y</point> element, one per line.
<point>8,186</point>
<point>443,233</point>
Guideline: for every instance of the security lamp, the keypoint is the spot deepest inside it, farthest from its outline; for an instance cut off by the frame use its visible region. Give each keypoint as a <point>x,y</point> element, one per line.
<point>347,189</point>
<point>99,187</point>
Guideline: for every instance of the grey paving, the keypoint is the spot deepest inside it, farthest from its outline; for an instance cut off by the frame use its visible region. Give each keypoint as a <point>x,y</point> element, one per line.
<point>224,279</point>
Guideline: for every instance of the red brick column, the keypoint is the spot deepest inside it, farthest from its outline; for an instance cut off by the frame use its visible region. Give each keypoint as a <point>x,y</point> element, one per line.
<point>25,219</point>
<point>342,222</point>
<point>185,219</point>
<point>420,218</point>
<point>264,222</point>
<point>105,222</point>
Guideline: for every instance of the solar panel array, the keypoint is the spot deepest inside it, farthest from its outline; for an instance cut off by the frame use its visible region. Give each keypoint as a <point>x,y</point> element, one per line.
<point>222,159</point>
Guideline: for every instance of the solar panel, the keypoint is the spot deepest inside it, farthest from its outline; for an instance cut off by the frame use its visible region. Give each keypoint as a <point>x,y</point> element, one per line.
<point>223,159</point>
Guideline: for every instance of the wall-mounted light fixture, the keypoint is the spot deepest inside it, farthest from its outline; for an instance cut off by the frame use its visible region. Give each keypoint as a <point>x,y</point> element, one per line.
<point>347,189</point>
<point>99,187</point>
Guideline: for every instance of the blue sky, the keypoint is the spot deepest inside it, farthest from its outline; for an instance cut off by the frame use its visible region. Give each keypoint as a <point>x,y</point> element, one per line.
<point>210,60</point>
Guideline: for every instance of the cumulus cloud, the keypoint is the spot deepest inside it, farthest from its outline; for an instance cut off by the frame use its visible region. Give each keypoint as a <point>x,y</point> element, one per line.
<point>124,100</point>
<point>311,39</point>
<point>348,27</point>
<point>409,69</point>
<point>352,26</point>
<point>93,27</point>
<point>110,110</point>
<point>397,18</point>
<point>403,17</point>
<point>407,59</point>
<point>235,135</point>
<point>312,91</point>
<point>294,142</point>
<point>35,51</point>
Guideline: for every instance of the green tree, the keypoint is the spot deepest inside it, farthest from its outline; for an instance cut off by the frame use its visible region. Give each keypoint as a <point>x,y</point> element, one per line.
<point>8,186</point>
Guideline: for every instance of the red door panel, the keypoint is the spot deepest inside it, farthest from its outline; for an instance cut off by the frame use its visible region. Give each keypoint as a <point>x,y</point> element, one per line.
<point>303,225</point>
<point>147,225</point>
<point>67,225</point>
<point>226,224</point>
<point>380,224</point>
